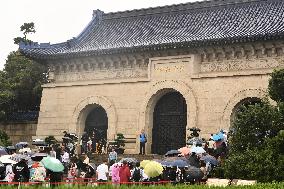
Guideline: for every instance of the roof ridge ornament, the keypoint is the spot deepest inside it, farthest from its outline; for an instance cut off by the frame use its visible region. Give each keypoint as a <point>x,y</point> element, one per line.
<point>98,14</point>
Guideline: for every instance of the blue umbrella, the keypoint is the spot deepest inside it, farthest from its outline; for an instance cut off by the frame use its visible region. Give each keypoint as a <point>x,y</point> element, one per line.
<point>21,144</point>
<point>179,163</point>
<point>208,158</point>
<point>216,137</point>
<point>197,150</point>
<point>172,152</point>
<point>221,135</point>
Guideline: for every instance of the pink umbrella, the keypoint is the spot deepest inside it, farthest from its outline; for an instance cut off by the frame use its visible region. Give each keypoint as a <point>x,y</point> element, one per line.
<point>184,151</point>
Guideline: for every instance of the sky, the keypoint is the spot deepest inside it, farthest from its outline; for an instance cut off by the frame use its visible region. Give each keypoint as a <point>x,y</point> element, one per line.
<point>57,20</point>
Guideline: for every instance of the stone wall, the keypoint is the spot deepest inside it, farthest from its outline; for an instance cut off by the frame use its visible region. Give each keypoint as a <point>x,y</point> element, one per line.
<point>212,81</point>
<point>19,131</point>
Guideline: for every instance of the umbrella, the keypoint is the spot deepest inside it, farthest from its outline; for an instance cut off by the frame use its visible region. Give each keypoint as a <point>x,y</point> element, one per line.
<point>197,150</point>
<point>3,152</point>
<point>19,157</point>
<point>52,164</point>
<point>21,144</point>
<point>175,163</point>
<point>144,163</point>
<point>221,135</point>
<point>184,151</point>
<point>38,156</point>
<point>6,159</point>
<point>172,152</point>
<point>39,143</point>
<point>193,173</point>
<point>153,169</point>
<point>216,137</point>
<point>129,160</point>
<point>211,159</point>
<point>11,147</point>
<point>195,140</point>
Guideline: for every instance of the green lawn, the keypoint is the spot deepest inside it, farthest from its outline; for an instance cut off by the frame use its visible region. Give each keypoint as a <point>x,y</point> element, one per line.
<point>181,186</point>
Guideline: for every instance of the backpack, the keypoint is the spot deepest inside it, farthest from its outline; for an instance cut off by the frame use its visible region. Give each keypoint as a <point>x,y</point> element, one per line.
<point>136,174</point>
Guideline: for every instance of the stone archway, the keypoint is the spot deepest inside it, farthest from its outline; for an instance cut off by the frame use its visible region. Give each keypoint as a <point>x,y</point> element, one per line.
<point>83,109</point>
<point>237,98</point>
<point>159,89</point>
<point>169,123</point>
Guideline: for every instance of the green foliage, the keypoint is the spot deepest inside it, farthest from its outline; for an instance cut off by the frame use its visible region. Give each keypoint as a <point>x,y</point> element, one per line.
<point>26,28</point>
<point>256,143</point>
<point>20,85</point>
<point>276,85</point>
<point>255,123</point>
<point>161,186</point>
<point>119,140</point>
<point>50,140</point>
<point>263,164</point>
<point>4,139</point>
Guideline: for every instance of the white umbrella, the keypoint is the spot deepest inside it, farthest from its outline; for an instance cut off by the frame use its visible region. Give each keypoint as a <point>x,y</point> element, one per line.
<point>197,150</point>
<point>6,159</point>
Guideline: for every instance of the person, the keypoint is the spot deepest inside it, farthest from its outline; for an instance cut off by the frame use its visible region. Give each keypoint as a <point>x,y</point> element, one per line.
<point>54,177</point>
<point>124,173</point>
<point>136,175</point>
<point>143,140</point>
<point>72,172</point>
<point>9,175</point>
<point>21,170</point>
<point>115,179</point>
<point>65,160</point>
<point>112,155</point>
<point>86,160</point>
<point>52,152</point>
<point>84,140</point>
<point>39,173</point>
<point>193,160</point>
<point>102,171</point>
<point>94,142</point>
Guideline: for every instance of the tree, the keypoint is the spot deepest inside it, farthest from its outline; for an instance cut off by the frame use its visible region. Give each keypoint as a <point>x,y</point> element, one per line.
<point>20,81</point>
<point>276,85</point>
<point>26,28</point>
<point>253,124</point>
<point>256,141</point>
<point>4,139</point>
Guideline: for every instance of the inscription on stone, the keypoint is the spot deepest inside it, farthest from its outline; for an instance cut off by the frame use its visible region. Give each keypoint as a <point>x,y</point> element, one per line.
<point>242,64</point>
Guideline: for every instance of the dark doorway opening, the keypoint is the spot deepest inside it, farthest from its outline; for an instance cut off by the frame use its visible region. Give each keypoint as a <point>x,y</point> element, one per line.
<point>169,126</point>
<point>97,121</point>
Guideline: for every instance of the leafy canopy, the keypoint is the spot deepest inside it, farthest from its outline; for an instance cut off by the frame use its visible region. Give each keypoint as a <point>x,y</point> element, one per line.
<point>20,81</point>
<point>276,86</point>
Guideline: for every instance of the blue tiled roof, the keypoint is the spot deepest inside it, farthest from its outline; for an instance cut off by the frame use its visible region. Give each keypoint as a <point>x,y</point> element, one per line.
<point>183,25</point>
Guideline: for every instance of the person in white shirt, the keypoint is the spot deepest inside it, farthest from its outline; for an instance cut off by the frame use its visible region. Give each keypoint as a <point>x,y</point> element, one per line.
<point>102,172</point>
<point>65,161</point>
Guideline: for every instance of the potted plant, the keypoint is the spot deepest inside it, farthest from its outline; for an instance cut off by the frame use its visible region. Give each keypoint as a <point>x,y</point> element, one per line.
<point>119,143</point>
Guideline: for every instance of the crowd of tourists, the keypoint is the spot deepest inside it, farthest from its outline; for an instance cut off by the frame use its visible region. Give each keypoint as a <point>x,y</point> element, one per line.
<point>190,164</point>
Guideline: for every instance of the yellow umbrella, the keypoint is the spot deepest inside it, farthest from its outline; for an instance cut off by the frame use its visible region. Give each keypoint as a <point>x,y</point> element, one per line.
<point>153,169</point>
<point>144,163</point>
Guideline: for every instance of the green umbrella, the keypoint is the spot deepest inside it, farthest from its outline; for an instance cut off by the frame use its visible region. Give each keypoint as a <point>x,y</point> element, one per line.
<point>52,164</point>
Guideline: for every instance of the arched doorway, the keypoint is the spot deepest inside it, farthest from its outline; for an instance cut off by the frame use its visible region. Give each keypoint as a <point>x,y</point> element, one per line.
<point>97,120</point>
<point>169,123</point>
<point>244,102</point>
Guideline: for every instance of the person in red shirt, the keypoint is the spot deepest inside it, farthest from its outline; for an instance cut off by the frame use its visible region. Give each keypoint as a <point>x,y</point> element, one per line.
<point>124,173</point>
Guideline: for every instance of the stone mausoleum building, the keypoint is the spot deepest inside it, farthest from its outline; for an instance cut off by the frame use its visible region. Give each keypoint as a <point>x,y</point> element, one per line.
<point>163,69</point>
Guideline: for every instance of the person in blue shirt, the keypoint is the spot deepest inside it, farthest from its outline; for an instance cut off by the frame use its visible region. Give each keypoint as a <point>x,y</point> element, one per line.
<point>143,140</point>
